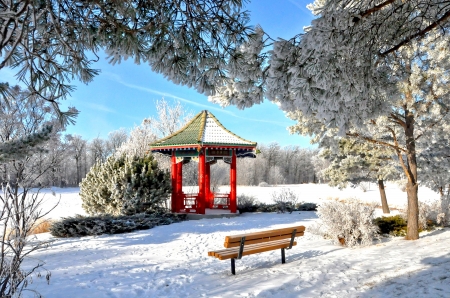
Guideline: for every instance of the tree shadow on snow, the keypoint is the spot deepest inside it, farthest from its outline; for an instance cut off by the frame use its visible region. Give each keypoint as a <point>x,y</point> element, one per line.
<point>434,281</point>
<point>217,227</point>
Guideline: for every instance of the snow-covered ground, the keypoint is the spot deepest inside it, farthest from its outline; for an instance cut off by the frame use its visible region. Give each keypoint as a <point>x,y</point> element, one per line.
<point>172,261</point>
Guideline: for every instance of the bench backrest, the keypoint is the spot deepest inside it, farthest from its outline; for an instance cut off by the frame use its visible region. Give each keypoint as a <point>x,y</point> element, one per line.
<point>260,237</point>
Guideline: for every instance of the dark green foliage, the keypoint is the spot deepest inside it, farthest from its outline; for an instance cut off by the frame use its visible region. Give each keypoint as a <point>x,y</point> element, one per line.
<point>107,224</point>
<point>267,208</point>
<point>247,204</point>
<point>393,225</point>
<point>307,207</point>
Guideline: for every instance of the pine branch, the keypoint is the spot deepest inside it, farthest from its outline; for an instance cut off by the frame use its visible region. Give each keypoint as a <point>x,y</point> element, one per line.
<point>421,33</point>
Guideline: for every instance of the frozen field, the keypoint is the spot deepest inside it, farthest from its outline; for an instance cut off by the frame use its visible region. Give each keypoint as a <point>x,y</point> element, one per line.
<point>70,203</point>
<point>172,261</point>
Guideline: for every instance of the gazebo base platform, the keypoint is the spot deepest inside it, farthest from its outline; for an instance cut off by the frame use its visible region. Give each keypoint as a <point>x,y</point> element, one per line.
<point>211,213</point>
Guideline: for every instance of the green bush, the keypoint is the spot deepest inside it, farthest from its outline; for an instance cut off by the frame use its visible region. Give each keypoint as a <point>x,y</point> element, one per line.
<point>306,207</point>
<point>124,185</point>
<point>247,203</point>
<point>107,224</point>
<point>393,225</point>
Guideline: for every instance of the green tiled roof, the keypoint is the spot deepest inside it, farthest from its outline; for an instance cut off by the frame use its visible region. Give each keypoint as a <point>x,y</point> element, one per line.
<point>203,129</point>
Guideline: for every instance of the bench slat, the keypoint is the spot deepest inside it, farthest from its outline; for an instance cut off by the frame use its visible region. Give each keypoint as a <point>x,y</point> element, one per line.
<point>253,250</point>
<point>263,234</point>
<point>262,239</point>
<point>246,247</point>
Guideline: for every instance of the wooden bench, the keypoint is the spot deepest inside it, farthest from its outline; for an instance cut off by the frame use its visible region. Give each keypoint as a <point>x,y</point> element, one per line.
<point>238,246</point>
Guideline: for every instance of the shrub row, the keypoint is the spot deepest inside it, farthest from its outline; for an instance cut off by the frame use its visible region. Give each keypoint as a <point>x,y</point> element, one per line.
<point>108,224</point>
<point>250,204</point>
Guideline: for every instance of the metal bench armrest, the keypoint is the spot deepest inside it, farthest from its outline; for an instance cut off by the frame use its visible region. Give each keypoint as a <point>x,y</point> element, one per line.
<point>292,238</point>
<point>241,248</point>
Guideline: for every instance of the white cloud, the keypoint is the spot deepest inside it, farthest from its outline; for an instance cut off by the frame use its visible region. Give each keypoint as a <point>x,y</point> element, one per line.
<point>119,80</point>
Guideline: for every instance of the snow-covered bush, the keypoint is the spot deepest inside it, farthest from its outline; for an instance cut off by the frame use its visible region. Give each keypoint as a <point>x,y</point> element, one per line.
<point>106,224</point>
<point>442,208</point>
<point>124,185</point>
<point>364,186</point>
<point>285,200</point>
<point>350,224</point>
<point>429,215</point>
<point>402,184</point>
<point>263,184</point>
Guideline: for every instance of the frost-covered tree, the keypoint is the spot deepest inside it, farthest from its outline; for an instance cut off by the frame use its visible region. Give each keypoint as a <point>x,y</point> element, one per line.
<point>421,72</point>
<point>357,162</point>
<point>52,42</point>
<point>115,139</point>
<point>171,116</point>
<point>359,61</point>
<point>124,185</point>
<point>26,131</point>
<point>76,146</point>
<point>25,123</point>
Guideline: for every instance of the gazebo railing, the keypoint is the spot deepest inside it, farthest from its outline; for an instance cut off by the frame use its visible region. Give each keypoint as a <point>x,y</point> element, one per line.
<point>189,203</point>
<point>220,201</point>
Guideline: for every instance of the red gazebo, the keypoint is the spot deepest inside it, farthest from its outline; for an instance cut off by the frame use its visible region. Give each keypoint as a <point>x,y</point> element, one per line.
<point>205,140</point>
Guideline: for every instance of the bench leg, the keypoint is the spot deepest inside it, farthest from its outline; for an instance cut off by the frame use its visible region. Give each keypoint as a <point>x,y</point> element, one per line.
<point>233,268</point>
<point>283,258</point>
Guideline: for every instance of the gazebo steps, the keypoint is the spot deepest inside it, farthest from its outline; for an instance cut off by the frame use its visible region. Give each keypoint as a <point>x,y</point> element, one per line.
<point>211,213</point>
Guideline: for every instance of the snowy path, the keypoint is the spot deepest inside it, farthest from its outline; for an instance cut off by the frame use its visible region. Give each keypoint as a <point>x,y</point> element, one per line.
<point>172,261</point>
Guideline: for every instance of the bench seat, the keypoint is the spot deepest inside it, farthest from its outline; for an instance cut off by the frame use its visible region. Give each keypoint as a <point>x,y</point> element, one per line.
<point>229,253</point>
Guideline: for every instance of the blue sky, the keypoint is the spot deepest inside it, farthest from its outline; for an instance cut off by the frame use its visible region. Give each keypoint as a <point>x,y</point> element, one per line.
<point>123,95</point>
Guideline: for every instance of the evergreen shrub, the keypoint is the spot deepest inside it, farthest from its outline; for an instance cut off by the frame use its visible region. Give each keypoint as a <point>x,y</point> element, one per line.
<point>247,203</point>
<point>125,185</point>
<point>306,207</point>
<point>263,207</point>
<point>108,224</point>
<point>392,225</point>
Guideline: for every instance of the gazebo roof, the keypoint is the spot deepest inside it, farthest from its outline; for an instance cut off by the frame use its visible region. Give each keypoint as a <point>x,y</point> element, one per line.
<point>203,130</point>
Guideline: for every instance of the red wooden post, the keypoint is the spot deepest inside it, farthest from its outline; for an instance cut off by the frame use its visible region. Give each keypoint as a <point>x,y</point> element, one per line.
<point>209,203</point>
<point>179,190</point>
<point>174,183</point>
<point>233,205</point>
<point>201,183</point>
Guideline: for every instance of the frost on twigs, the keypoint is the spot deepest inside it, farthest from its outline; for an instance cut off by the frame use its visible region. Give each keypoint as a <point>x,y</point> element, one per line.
<point>347,223</point>
<point>285,200</point>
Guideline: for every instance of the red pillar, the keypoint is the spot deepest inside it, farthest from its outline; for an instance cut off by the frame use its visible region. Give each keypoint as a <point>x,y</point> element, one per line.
<point>179,186</point>
<point>233,205</point>
<point>174,183</point>
<point>209,203</point>
<point>201,183</point>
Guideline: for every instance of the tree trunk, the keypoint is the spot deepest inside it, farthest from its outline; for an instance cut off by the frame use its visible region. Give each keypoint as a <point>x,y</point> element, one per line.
<point>384,203</point>
<point>412,232</point>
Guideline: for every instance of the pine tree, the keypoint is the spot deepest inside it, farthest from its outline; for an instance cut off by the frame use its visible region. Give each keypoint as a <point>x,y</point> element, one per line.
<point>374,71</point>
<point>125,185</point>
<point>188,42</point>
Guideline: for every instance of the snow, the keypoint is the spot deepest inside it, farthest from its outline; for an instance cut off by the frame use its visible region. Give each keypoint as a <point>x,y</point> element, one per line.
<point>172,260</point>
